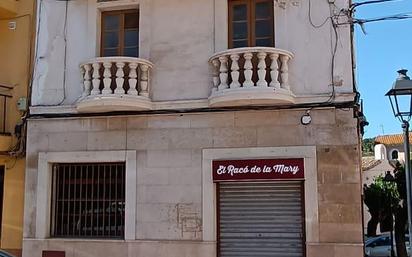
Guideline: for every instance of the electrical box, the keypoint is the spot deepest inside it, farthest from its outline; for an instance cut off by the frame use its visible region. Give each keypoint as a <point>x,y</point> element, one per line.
<point>22,104</point>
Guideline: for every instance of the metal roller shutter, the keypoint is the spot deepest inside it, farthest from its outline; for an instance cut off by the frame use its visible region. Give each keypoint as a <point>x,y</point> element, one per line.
<point>261,219</point>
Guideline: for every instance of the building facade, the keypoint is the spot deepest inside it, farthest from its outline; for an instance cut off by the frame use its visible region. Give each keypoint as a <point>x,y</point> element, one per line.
<point>193,128</point>
<point>16,30</point>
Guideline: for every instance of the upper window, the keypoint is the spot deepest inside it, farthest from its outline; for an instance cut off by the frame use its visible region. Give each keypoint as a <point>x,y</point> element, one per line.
<point>120,33</point>
<point>394,154</point>
<point>251,23</point>
<point>88,200</point>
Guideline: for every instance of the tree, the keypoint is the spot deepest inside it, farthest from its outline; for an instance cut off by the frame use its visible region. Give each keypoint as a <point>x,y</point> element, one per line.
<point>378,197</point>
<point>368,145</point>
<point>386,200</point>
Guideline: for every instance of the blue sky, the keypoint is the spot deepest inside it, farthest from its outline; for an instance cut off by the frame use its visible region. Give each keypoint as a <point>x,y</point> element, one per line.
<point>385,48</point>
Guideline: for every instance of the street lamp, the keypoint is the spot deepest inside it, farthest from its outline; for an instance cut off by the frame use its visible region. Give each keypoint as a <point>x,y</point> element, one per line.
<point>400,97</point>
<point>390,179</point>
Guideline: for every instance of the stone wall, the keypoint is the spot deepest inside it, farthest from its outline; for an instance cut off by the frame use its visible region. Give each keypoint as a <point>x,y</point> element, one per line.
<point>169,171</point>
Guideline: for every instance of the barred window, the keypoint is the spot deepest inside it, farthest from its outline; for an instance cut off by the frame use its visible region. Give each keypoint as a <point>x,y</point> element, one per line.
<point>88,200</point>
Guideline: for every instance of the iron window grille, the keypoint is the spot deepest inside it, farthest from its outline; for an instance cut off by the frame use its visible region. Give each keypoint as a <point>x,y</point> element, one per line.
<point>88,200</point>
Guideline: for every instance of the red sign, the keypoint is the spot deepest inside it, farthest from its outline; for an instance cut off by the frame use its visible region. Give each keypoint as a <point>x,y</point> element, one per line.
<point>258,169</point>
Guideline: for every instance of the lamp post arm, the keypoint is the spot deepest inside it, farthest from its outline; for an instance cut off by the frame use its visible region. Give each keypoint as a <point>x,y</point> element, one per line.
<point>405,126</point>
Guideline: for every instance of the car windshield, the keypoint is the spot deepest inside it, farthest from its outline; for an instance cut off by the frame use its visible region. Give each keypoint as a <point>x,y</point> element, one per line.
<point>382,240</point>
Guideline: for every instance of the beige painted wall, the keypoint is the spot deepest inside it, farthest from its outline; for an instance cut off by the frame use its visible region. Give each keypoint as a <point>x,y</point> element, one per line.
<point>14,71</point>
<point>169,171</point>
<point>13,203</point>
<point>8,8</point>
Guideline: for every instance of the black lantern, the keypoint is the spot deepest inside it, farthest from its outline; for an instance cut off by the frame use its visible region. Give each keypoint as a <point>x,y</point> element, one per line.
<point>400,96</point>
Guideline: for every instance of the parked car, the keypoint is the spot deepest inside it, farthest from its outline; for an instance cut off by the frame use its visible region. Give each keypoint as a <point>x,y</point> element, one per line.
<point>5,254</point>
<point>380,246</point>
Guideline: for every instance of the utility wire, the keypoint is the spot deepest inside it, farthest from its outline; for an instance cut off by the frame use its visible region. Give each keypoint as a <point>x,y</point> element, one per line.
<point>65,53</point>
<point>354,5</point>
<point>401,16</point>
<point>333,18</point>
<point>36,57</point>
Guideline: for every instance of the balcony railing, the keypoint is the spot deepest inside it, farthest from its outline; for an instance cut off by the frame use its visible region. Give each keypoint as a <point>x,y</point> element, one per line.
<point>251,75</point>
<point>115,83</point>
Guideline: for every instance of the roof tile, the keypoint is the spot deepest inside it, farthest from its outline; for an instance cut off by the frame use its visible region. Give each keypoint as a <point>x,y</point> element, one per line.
<point>395,139</point>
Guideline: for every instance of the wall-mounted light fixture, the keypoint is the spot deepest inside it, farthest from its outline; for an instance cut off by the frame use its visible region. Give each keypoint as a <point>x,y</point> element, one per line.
<point>12,25</point>
<point>306,119</point>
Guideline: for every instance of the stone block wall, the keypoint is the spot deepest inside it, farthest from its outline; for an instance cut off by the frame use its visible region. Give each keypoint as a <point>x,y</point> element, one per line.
<point>169,172</point>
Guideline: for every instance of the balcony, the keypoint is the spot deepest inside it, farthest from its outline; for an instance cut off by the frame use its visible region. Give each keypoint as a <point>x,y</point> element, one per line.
<point>115,84</point>
<point>251,76</point>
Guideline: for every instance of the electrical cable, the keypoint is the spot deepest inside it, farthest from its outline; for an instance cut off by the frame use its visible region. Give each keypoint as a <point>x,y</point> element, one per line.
<point>334,19</point>
<point>401,16</point>
<point>65,54</point>
<point>361,22</point>
<point>354,5</point>
<point>310,18</point>
<point>17,150</point>
<point>36,50</point>
<point>36,58</point>
<point>324,104</point>
<point>334,51</point>
<point>11,167</point>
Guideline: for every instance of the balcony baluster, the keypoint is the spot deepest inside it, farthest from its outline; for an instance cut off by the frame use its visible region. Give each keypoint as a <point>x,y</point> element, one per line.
<point>115,83</point>
<point>257,75</point>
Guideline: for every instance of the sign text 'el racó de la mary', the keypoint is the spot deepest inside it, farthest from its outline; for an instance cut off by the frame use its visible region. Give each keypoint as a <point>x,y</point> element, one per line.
<point>258,169</point>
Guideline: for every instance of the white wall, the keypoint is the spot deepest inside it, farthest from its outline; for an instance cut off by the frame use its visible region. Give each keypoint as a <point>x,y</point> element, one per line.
<point>179,36</point>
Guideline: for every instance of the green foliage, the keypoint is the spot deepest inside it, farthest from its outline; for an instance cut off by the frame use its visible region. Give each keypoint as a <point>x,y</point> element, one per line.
<point>378,198</point>
<point>380,194</point>
<point>368,146</point>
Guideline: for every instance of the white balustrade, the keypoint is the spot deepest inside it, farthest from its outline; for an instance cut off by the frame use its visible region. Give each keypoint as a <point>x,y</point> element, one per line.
<point>96,78</point>
<point>250,67</point>
<point>111,76</point>
<point>215,75</point>
<point>223,72</point>
<point>274,70</point>
<point>261,69</point>
<point>86,79</point>
<point>235,71</point>
<point>248,70</point>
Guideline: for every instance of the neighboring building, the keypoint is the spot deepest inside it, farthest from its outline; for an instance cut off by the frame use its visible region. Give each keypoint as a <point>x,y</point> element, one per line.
<point>198,147</point>
<point>16,30</point>
<point>387,151</point>
<point>391,147</point>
